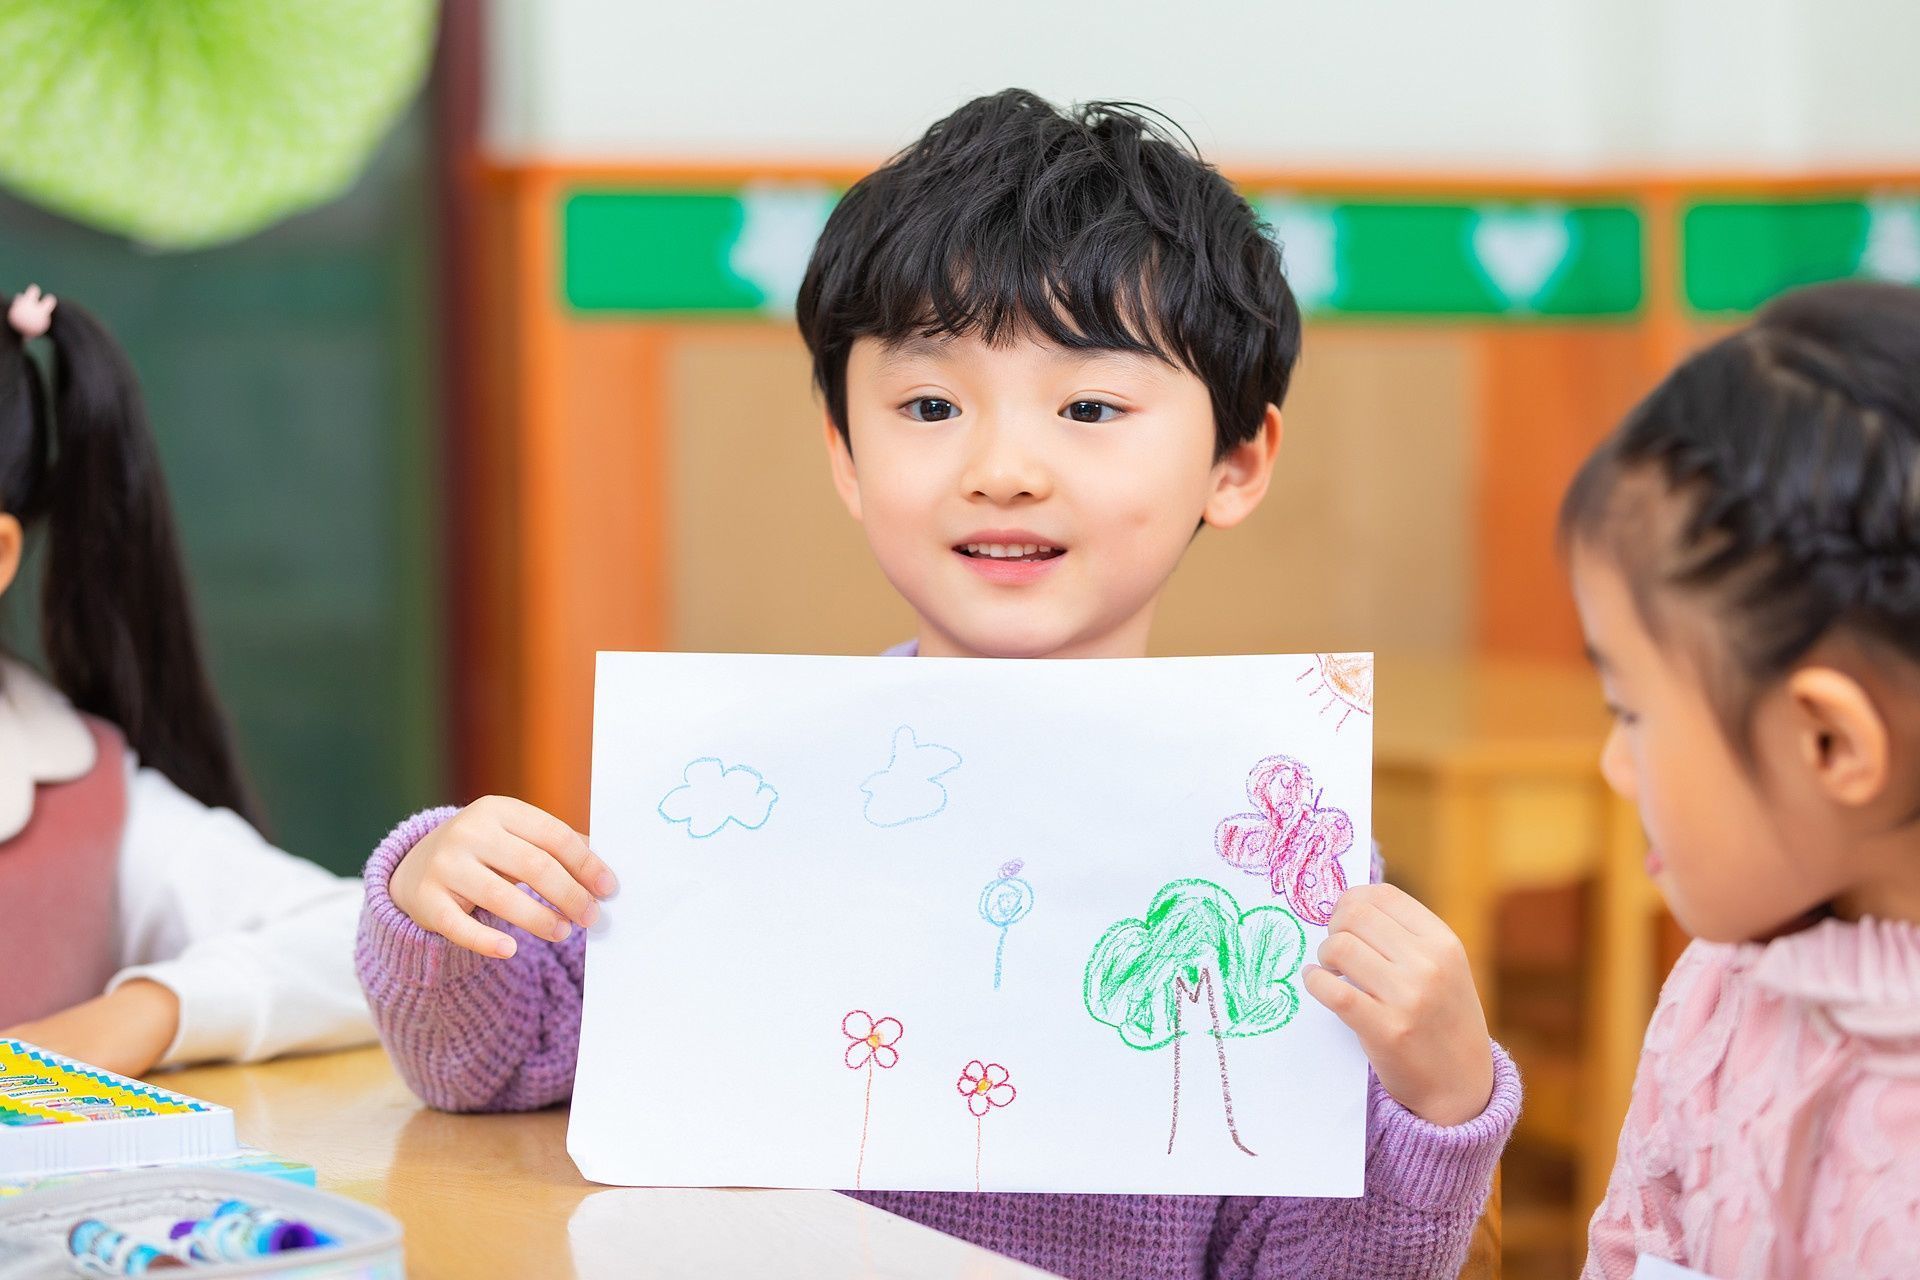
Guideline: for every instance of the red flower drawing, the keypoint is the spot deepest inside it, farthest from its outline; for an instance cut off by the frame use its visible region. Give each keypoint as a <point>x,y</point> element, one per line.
<point>985,1087</point>
<point>871,1040</point>
<point>870,1044</point>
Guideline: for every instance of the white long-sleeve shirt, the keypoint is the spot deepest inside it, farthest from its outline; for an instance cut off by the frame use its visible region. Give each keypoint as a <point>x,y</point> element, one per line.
<point>256,943</point>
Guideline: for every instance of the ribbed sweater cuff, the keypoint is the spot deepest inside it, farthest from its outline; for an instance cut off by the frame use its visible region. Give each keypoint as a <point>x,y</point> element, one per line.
<point>1439,1167</point>
<point>393,950</point>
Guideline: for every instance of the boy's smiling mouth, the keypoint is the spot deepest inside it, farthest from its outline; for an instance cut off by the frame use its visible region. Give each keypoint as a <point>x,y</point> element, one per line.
<point>1010,556</point>
<point>990,547</point>
<point>1028,552</point>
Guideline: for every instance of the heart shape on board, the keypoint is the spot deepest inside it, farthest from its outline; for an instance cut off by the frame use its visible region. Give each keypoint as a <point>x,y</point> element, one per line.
<point>1520,251</point>
<point>779,223</point>
<point>1892,247</point>
<point>1309,238</point>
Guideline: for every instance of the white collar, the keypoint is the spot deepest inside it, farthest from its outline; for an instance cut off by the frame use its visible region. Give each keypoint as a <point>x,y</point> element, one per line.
<point>42,739</point>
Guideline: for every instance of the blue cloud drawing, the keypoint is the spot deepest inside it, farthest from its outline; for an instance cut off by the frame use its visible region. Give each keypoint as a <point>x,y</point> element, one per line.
<point>909,789</point>
<point>716,794</point>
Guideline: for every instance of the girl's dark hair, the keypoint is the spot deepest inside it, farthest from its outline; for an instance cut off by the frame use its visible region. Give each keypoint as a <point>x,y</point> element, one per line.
<point>1793,449</point>
<point>116,624</point>
<point>1100,228</point>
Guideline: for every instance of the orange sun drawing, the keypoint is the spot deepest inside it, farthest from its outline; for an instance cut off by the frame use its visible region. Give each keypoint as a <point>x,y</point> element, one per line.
<point>1346,679</point>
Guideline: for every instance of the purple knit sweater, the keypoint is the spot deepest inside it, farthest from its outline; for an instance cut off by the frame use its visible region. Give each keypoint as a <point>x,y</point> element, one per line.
<point>476,1034</point>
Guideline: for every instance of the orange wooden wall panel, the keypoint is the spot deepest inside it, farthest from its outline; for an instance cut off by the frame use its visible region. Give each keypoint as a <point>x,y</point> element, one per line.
<point>1546,396</point>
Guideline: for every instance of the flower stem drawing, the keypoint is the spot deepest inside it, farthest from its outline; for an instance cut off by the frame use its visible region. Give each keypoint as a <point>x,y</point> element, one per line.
<point>870,1044</point>
<point>1195,942</point>
<point>985,1086</point>
<point>1004,903</point>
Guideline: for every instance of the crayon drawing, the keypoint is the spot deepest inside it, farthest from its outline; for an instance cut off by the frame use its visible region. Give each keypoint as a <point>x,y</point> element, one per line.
<point>713,793</point>
<point>1195,943</point>
<point>1291,839</point>
<point>1004,903</point>
<point>985,1086</point>
<point>1016,910</point>
<point>870,1044</point>
<point>909,788</point>
<point>1346,681</point>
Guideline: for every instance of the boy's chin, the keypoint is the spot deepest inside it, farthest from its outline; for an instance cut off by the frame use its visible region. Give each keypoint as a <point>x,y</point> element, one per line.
<point>1008,638</point>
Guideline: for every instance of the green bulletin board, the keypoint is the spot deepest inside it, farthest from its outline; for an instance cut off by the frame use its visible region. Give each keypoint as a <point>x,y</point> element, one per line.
<point>289,381</point>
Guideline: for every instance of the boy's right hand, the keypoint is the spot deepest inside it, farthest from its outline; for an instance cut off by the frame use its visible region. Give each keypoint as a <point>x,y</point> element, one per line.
<point>481,856</point>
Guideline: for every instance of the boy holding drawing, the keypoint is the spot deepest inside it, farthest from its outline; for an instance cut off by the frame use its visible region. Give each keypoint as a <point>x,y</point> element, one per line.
<point>1051,347</point>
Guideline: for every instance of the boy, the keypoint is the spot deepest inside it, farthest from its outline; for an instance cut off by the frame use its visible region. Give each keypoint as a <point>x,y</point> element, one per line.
<point>1051,347</point>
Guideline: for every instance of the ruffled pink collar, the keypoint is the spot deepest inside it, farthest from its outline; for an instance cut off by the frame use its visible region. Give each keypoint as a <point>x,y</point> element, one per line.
<point>1864,976</point>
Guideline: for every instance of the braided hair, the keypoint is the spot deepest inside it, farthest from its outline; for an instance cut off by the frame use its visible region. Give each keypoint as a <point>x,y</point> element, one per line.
<point>1792,447</point>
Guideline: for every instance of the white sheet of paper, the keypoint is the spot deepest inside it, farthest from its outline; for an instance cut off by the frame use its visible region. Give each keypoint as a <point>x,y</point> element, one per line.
<point>795,986</point>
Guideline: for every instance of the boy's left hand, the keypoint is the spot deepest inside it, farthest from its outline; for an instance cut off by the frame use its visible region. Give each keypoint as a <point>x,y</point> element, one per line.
<point>1393,972</point>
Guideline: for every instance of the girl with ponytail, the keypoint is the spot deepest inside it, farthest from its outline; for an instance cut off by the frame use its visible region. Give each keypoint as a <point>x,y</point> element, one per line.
<point>1745,551</point>
<point>145,919</point>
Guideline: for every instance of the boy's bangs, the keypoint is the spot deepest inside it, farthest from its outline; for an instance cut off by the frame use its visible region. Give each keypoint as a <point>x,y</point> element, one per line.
<point>1092,301</point>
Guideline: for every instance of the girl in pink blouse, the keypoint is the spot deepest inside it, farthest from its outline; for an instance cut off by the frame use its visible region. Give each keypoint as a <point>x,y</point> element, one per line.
<point>1745,552</point>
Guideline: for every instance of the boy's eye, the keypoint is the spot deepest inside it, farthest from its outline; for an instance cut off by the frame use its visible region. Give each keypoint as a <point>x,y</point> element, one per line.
<point>1091,411</point>
<point>931,409</point>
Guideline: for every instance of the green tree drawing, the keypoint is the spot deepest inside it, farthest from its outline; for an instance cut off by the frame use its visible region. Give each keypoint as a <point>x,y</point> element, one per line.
<point>1195,943</point>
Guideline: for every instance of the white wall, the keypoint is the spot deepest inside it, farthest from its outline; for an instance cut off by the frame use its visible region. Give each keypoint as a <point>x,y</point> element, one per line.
<point>1508,85</point>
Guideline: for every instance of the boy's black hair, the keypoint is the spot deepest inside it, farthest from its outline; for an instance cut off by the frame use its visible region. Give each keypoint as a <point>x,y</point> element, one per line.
<point>1097,228</point>
<point>116,623</point>
<point>1793,449</point>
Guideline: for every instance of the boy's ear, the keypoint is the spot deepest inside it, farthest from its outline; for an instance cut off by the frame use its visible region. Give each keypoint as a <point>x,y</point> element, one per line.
<point>840,462</point>
<point>1240,479</point>
<point>11,539</point>
<point>1843,739</point>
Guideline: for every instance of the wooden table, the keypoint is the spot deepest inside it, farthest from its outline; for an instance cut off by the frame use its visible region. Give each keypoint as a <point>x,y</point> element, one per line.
<point>1486,780</point>
<point>484,1196</point>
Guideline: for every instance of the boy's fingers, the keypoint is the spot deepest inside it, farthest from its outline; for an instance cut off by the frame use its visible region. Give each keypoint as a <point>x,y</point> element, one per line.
<point>1349,956</point>
<point>499,853</point>
<point>1361,912</point>
<point>462,930</point>
<point>544,874</point>
<point>1347,1002</point>
<point>1412,914</point>
<point>538,827</point>
<point>514,905</point>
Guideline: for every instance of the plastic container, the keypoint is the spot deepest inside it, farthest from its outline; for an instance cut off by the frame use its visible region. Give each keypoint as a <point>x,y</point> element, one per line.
<point>33,1227</point>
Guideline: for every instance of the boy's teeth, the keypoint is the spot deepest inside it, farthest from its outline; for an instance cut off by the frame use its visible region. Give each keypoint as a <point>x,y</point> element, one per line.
<point>1005,550</point>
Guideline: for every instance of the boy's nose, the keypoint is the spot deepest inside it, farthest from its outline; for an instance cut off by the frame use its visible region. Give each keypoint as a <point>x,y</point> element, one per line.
<point>1002,469</point>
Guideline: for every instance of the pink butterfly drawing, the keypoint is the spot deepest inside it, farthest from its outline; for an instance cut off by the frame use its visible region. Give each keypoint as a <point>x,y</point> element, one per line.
<point>1291,840</point>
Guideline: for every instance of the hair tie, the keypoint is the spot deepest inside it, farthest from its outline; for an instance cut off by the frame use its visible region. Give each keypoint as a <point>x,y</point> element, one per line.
<point>31,313</point>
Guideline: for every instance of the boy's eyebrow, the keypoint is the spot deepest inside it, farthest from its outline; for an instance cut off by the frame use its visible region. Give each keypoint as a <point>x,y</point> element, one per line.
<point>918,347</point>
<point>923,347</point>
<point>1597,658</point>
<point>1126,361</point>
